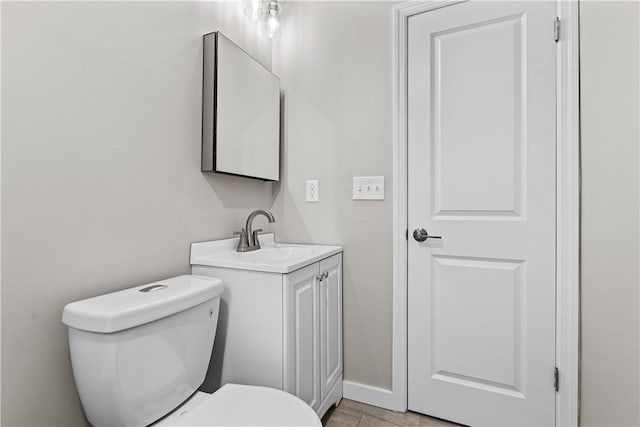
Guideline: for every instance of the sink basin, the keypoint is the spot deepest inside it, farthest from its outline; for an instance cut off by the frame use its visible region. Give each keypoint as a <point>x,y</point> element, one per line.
<point>273,256</point>
<point>279,252</point>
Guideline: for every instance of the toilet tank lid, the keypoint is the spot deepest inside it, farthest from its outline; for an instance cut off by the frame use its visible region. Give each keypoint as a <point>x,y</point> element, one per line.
<point>135,306</point>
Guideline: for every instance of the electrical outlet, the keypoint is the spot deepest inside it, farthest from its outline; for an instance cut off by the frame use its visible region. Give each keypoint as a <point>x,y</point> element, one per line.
<point>313,190</point>
<point>368,188</point>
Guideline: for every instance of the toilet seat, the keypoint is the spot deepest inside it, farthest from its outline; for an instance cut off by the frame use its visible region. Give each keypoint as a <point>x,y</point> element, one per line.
<point>242,405</point>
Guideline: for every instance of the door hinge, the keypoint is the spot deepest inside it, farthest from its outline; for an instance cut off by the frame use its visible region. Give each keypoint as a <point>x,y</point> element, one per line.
<point>556,29</point>
<point>406,234</point>
<point>556,379</point>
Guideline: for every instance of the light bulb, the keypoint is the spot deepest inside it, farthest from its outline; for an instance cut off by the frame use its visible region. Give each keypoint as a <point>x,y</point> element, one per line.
<point>253,9</point>
<point>272,27</point>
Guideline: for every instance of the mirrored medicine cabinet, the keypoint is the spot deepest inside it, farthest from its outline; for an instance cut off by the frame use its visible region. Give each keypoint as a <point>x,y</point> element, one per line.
<point>240,112</point>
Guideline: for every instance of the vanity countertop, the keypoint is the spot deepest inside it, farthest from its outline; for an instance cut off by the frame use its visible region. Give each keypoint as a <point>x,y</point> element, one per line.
<point>273,257</point>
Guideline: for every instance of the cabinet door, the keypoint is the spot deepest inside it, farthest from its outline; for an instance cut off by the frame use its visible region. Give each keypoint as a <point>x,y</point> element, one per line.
<point>331,322</point>
<point>303,324</point>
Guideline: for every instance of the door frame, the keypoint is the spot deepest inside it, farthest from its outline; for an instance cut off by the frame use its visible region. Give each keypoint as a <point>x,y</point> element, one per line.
<point>567,207</point>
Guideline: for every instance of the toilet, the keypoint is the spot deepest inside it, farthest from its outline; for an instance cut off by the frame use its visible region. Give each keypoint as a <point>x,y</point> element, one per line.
<point>140,355</point>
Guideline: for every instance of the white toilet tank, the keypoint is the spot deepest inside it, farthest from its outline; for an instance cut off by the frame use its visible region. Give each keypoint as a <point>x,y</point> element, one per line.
<point>137,354</point>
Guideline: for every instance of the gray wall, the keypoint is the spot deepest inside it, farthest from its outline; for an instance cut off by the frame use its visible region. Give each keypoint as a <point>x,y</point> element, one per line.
<point>610,116</point>
<point>101,186</point>
<point>334,59</point>
<point>101,180</point>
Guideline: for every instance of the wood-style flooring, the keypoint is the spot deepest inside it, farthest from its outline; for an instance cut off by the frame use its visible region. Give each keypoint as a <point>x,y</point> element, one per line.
<point>355,414</point>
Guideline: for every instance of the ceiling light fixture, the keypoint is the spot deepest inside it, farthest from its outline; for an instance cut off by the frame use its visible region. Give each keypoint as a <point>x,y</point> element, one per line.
<point>266,14</point>
<point>272,27</point>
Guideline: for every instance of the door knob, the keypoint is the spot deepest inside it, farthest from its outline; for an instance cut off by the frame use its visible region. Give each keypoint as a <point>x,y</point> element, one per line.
<point>420,234</point>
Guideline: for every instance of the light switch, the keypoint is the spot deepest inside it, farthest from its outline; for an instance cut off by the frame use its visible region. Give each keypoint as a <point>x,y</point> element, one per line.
<point>313,190</point>
<point>368,188</point>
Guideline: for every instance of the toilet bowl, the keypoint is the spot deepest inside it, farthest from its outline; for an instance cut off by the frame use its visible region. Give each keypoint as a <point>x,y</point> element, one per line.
<point>243,405</point>
<point>140,355</point>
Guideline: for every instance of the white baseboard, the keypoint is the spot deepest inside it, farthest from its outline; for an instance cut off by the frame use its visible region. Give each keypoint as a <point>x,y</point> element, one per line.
<point>370,395</point>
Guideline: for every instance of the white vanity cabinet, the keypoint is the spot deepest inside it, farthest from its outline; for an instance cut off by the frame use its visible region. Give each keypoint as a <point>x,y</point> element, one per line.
<point>313,300</point>
<point>279,325</point>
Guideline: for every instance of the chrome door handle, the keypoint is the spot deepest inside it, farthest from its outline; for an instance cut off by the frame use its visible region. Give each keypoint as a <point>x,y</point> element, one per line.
<point>420,234</point>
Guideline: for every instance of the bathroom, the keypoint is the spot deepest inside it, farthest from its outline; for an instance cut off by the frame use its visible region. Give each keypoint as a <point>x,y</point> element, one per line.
<point>102,188</point>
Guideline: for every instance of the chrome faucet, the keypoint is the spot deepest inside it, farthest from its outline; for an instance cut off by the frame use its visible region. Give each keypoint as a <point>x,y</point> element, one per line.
<point>249,237</point>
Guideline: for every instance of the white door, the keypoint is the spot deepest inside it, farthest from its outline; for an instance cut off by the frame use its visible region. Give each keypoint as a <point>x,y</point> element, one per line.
<point>331,322</point>
<point>304,325</point>
<point>481,174</point>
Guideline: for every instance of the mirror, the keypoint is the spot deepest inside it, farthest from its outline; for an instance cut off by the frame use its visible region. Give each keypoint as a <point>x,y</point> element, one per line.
<point>240,113</point>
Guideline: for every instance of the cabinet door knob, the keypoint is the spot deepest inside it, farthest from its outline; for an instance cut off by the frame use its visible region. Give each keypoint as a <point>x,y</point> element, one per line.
<point>320,277</point>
